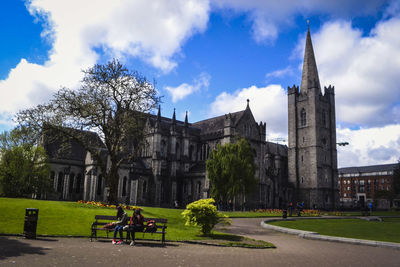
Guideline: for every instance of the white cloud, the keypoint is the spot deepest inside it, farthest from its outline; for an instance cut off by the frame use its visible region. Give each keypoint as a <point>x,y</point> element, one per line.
<point>268,104</point>
<point>269,16</point>
<point>369,146</point>
<point>183,90</point>
<point>363,69</point>
<point>280,73</point>
<point>152,31</point>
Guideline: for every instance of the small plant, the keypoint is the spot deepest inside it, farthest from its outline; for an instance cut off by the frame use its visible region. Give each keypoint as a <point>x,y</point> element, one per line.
<point>203,213</point>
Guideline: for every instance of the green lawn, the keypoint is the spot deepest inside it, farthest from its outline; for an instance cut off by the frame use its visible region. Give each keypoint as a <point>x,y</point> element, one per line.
<point>58,218</point>
<point>388,230</point>
<point>70,218</point>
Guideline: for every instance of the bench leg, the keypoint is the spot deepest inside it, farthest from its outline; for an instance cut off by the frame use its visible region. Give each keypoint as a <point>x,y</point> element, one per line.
<point>93,235</point>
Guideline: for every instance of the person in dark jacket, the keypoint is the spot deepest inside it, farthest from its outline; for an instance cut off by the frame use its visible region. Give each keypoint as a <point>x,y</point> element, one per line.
<point>119,225</point>
<point>136,224</point>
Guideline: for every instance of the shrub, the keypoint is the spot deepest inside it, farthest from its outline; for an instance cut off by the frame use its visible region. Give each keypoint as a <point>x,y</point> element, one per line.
<point>203,213</point>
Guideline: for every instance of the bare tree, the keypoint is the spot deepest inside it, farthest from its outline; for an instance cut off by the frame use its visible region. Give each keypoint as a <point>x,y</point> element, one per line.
<point>112,102</point>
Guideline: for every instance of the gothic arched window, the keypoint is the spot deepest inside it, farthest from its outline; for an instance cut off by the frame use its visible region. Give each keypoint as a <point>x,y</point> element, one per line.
<point>303,117</point>
<point>124,182</point>
<point>52,177</point>
<point>191,152</point>
<point>71,182</point>
<point>99,184</point>
<point>323,118</point>
<point>60,181</point>
<point>163,149</point>
<point>78,183</point>
<point>144,188</point>
<point>178,151</point>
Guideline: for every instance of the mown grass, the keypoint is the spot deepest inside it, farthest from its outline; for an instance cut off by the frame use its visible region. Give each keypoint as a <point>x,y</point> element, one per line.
<point>309,213</point>
<point>58,218</point>
<point>72,219</point>
<point>387,230</point>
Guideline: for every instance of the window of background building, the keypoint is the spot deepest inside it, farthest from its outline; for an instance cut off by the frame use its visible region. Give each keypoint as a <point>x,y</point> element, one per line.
<point>303,117</point>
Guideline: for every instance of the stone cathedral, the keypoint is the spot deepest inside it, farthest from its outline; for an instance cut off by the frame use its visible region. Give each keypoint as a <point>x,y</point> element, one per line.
<point>172,169</point>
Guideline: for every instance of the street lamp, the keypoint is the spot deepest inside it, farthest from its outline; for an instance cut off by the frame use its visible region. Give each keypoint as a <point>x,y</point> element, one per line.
<point>343,144</point>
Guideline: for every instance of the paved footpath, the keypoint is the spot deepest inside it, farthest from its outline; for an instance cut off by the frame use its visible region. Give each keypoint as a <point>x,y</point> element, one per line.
<point>291,251</point>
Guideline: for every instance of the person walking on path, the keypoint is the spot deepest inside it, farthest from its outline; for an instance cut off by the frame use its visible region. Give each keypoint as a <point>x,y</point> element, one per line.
<point>119,225</point>
<point>290,208</point>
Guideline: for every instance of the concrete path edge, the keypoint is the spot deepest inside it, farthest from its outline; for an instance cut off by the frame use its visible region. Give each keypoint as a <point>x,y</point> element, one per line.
<point>317,236</point>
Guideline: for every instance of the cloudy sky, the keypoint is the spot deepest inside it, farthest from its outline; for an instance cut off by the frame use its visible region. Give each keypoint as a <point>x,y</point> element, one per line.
<point>208,56</point>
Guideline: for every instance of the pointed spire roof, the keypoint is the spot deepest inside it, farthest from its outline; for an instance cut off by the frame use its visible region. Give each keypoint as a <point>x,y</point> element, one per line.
<point>159,113</point>
<point>186,119</point>
<point>309,78</point>
<point>248,104</point>
<point>174,118</point>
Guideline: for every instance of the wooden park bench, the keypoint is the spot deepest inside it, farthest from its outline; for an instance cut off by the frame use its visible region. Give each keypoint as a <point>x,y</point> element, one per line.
<point>101,220</point>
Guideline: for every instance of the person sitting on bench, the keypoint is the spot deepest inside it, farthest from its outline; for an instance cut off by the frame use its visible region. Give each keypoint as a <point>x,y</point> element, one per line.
<point>136,224</point>
<point>119,225</point>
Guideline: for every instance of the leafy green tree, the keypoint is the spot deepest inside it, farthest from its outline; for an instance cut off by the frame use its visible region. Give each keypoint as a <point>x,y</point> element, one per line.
<point>203,213</point>
<point>112,102</point>
<point>24,169</point>
<point>231,171</point>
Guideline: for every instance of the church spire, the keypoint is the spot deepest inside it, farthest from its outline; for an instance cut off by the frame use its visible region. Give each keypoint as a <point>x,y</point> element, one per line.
<point>159,113</point>
<point>174,118</point>
<point>186,119</point>
<point>309,78</point>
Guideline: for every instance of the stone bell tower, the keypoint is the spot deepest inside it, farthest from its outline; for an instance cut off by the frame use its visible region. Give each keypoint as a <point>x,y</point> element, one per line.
<point>312,156</point>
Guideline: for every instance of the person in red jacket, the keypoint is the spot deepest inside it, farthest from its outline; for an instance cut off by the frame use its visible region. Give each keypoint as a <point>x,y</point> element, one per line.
<point>136,224</point>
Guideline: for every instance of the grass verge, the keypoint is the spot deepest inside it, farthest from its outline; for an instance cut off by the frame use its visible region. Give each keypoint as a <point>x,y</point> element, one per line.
<point>388,230</point>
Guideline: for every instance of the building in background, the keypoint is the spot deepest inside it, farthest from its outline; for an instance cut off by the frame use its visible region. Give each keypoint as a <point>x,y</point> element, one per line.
<point>358,185</point>
<point>172,166</point>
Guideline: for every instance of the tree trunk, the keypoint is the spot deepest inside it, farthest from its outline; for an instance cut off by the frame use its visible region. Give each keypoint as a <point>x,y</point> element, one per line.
<point>112,182</point>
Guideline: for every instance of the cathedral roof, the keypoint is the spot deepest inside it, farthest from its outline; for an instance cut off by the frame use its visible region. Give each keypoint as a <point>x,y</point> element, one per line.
<point>165,124</point>
<point>309,78</point>
<point>276,149</point>
<point>365,169</point>
<point>59,147</point>
<point>216,124</point>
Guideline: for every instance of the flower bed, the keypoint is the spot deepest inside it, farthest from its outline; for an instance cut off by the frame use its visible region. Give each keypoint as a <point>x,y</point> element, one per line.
<point>104,205</point>
<point>278,212</point>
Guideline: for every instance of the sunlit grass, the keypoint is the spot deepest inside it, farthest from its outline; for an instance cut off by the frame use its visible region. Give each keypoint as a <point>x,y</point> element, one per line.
<point>387,230</point>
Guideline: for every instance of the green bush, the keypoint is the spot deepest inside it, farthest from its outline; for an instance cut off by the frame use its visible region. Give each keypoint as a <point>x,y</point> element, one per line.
<point>203,213</point>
